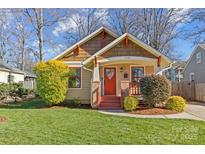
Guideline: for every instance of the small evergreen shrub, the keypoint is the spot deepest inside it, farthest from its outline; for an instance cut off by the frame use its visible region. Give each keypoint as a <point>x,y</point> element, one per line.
<point>155,89</point>
<point>51,80</point>
<point>130,103</point>
<point>176,103</point>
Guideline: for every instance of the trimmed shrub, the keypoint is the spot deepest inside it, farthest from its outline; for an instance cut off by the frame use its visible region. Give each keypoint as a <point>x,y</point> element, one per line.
<point>130,103</point>
<point>51,80</point>
<point>155,89</point>
<point>176,103</point>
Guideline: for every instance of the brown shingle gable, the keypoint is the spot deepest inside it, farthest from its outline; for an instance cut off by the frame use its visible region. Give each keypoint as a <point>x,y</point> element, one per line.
<point>88,45</point>
<point>89,48</point>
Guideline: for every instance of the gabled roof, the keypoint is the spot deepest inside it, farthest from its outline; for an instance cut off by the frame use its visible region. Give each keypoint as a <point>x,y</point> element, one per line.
<point>195,49</point>
<point>132,38</point>
<point>87,38</point>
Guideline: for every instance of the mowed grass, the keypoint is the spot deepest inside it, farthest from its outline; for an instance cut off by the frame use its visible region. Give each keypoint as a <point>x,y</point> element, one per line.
<point>28,123</point>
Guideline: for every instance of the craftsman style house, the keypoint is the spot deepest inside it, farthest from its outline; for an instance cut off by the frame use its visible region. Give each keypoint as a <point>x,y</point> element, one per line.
<point>108,67</point>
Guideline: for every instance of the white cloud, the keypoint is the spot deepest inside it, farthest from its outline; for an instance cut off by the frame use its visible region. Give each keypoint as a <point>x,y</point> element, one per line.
<point>65,25</point>
<point>70,23</point>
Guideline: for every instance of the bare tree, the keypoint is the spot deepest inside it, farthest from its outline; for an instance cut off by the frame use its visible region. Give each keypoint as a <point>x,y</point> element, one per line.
<point>195,29</point>
<point>124,20</point>
<point>156,27</point>
<point>21,35</point>
<point>40,22</point>
<point>4,32</point>
<point>35,17</point>
<point>79,23</point>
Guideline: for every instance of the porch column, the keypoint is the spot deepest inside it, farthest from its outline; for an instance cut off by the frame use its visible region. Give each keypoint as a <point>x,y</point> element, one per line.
<point>96,86</point>
<point>159,65</point>
<point>96,74</point>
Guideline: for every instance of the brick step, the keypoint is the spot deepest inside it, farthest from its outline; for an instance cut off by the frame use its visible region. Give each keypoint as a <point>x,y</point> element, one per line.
<point>115,104</point>
<point>109,98</point>
<point>110,101</point>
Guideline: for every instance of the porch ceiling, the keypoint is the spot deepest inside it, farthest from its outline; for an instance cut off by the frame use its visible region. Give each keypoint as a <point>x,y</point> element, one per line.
<point>128,60</point>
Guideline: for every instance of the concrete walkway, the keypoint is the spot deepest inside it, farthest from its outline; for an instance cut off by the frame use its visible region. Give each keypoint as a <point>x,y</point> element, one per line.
<point>194,111</point>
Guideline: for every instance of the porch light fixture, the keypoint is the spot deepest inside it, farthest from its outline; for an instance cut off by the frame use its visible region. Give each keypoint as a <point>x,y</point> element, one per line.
<point>125,75</point>
<point>121,69</point>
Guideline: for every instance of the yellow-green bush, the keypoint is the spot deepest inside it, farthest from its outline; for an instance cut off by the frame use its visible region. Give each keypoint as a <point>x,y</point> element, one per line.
<point>130,103</point>
<point>176,103</point>
<point>51,81</point>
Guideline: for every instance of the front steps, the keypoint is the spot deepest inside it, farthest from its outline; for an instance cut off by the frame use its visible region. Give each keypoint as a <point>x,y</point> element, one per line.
<point>110,102</point>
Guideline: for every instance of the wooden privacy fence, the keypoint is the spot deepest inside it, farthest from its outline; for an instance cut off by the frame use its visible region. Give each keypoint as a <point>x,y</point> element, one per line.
<point>189,90</point>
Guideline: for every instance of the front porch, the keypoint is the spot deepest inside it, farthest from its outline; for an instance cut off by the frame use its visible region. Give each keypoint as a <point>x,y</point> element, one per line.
<point>115,79</point>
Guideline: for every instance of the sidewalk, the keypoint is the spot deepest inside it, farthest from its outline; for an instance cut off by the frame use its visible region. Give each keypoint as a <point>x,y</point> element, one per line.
<point>192,111</point>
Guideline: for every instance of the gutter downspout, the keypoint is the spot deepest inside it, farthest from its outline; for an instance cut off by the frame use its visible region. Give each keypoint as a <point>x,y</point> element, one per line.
<point>161,71</point>
<point>90,70</point>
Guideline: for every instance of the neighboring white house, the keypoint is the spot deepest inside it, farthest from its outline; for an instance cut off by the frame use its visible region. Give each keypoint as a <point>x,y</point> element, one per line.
<point>9,74</point>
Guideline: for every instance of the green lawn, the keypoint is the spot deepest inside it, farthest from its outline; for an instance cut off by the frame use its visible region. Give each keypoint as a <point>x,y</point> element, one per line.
<point>27,124</point>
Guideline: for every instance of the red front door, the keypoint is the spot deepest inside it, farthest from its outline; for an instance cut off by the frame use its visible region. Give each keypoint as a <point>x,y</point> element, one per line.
<point>110,81</point>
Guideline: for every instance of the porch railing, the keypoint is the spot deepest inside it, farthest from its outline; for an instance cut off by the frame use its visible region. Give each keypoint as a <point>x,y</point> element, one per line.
<point>134,88</point>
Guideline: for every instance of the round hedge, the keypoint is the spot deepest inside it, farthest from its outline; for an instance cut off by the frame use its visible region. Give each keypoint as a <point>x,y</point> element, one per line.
<point>130,103</point>
<point>176,103</point>
<point>155,89</point>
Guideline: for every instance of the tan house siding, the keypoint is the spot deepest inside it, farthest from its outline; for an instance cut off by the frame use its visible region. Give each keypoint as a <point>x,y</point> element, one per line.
<point>83,93</point>
<point>89,48</point>
<point>197,69</point>
<point>149,70</point>
<point>131,50</point>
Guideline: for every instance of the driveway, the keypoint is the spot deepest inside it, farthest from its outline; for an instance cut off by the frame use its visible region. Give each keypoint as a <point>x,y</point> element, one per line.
<point>194,111</point>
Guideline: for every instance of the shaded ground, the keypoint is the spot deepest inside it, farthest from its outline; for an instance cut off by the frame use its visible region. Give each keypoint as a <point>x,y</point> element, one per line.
<point>28,124</point>
<point>153,111</point>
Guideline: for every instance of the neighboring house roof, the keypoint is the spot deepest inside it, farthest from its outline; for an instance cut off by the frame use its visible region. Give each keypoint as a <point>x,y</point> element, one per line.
<point>87,38</point>
<point>193,52</point>
<point>132,38</point>
<point>179,65</point>
<point>29,74</point>
<point>8,68</point>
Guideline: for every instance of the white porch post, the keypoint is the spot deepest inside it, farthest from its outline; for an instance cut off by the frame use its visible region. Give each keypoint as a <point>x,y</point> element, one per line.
<point>96,73</point>
<point>96,86</point>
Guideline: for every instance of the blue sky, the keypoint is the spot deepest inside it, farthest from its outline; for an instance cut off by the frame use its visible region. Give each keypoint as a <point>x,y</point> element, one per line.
<point>183,47</point>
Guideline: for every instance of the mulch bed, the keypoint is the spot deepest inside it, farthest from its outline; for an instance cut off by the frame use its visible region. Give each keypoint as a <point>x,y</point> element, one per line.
<point>153,111</point>
<point>2,119</point>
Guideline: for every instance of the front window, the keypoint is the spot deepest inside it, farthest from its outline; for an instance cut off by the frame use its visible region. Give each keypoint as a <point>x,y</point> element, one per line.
<point>74,80</point>
<point>198,58</point>
<point>137,73</point>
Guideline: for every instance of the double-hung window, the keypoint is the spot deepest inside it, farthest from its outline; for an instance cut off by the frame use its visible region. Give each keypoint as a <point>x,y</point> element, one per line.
<point>198,58</point>
<point>136,73</point>
<point>74,80</point>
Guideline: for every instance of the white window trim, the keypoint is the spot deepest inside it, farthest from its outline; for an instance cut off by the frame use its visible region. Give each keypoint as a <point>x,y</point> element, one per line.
<point>190,76</point>
<point>81,73</point>
<point>198,57</point>
<point>143,66</point>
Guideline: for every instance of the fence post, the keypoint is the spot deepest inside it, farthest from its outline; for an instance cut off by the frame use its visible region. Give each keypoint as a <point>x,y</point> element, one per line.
<point>193,91</point>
